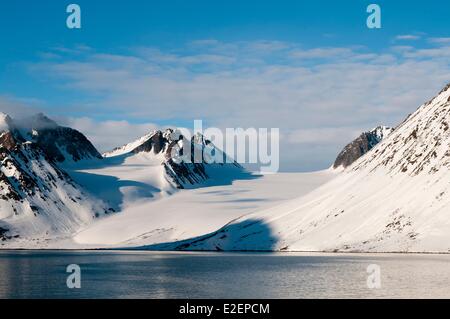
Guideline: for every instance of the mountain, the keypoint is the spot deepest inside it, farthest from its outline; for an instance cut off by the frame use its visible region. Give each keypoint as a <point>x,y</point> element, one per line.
<point>180,167</point>
<point>53,181</point>
<point>396,198</point>
<point>38,199</point>
<point>361,145</point>
<point>61,144</point>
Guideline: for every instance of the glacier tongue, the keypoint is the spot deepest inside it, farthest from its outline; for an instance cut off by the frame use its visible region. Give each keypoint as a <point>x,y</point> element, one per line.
<point>394,199</point>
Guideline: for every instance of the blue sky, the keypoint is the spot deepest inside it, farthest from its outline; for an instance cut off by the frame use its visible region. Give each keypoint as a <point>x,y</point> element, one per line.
<point>312,68</point>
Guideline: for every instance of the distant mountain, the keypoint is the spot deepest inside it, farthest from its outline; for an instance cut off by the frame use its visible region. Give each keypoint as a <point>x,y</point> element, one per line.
<point>396,198</point>
<point>53,181</point>
<point>61,144</point>
<point>170,146</point>
<point>37,197</point>
<point>393,198</point>
<point>361,145</point>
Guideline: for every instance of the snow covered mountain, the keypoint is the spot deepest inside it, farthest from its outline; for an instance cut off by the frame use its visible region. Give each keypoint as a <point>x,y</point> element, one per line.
<point>38,199</point>
<point>396,198</point>
<point>361,145</point>
<point>61,144</point>
<point>53,181</point>
<point>182,172</point>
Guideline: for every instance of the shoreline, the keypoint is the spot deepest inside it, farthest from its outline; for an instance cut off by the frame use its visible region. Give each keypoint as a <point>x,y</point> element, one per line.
<point>122,250</point>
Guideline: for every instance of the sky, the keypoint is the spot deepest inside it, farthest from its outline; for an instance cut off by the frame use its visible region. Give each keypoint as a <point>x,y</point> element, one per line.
<point>313,69</point>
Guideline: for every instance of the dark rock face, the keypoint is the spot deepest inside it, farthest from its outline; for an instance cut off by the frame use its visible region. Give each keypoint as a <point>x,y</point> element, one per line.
<point>59,143</point>
<point>185,173</point>
<point>23,181</point>
<point>173,146</point>
<point>156,143</point>
<point>180,172</point>
<point>360,146</point>
<point>8,140</point>
<point>60,140</point>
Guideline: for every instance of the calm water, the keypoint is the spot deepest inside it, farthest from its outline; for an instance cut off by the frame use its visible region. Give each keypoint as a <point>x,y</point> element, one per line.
<point>25,274</point>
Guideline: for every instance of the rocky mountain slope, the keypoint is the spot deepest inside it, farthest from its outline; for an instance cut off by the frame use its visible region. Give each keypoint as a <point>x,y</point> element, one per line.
<point>53,181</point>
<point>395,198</point>
<point>182,168</point>
<point>61,144</point>
<point>37,198</point>
<point>361,145</point>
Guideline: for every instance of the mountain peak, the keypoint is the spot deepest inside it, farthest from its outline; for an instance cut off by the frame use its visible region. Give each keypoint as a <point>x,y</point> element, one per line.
<point>39,121</point>
<point>445,89</point>
<point>5,122</point>
<point>419,144</point>
<point>125,149</point>
<point>441,98</point>
<point>381,131</point>
<point>361,145</point>
<point>3,116</point>
<point>60,144</point>
<point>170,147</point>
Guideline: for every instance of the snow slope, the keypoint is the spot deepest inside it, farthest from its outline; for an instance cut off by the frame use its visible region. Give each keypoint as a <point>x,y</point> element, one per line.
<point>195,212</point>
<point>124,180</point>
<point>396,198</point>
<point>133,179</point>
<point>53,182</point>
<point>127,148</point>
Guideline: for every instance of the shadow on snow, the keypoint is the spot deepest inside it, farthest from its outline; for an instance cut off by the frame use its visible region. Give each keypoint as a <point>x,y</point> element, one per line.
<point>238,235</point>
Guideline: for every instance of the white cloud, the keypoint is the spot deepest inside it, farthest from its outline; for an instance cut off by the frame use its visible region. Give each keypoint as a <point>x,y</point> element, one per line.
<point>407,37</point>
<point>324,135</point>
<point>440,40</point>
<point>19,107</point>
<point>430,53</point>
<point>321,53</point>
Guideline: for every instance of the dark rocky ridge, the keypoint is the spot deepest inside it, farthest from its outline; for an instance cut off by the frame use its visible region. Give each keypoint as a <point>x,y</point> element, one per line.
<point>16,156</point>
<point>360,146</point>
<point>59,143</point>
<point>172,145</point>
<point>155,143</point>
